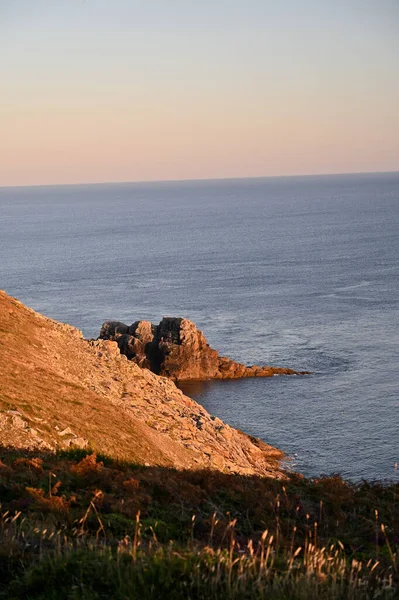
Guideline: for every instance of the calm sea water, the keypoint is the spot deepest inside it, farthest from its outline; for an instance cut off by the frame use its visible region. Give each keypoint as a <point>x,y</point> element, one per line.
<point>299,272</point>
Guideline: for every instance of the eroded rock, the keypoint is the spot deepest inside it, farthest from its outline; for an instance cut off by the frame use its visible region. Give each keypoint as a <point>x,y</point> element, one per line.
<point>178,350</point>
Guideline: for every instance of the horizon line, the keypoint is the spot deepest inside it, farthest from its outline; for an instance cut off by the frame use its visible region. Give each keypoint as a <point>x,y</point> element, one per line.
<point>195,179</point>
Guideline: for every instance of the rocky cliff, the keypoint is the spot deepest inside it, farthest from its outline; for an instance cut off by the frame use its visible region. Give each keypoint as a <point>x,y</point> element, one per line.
<point>178,350</point>
<point>59,390</point>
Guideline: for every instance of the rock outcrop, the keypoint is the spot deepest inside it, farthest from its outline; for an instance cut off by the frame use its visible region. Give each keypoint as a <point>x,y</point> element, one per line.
<point>59,390</point>
<point>178,350</point>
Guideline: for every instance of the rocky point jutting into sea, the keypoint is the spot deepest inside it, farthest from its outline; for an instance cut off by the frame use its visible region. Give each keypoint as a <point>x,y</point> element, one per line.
<point>178,350</point>
<point>58,390</point>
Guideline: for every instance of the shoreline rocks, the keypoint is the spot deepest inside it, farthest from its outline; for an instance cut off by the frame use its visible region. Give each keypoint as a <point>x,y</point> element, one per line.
<point>178,350</point>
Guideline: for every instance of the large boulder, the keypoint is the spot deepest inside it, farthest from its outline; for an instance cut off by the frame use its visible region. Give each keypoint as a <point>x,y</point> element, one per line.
<point>177,349</point>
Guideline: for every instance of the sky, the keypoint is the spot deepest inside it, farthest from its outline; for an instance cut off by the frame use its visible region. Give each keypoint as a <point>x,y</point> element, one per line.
<point>143,90</point>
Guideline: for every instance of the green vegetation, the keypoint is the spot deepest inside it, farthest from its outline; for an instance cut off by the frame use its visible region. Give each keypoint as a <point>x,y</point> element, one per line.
<point>80,526</point>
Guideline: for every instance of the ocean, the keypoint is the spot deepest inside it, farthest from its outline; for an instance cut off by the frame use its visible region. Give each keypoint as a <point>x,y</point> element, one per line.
<point>296,271</point>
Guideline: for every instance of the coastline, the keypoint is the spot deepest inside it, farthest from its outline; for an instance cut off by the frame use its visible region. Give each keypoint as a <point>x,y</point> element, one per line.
<point>68,391</point>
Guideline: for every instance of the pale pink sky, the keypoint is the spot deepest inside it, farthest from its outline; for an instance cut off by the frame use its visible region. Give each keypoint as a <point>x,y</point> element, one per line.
<point>101,91</point>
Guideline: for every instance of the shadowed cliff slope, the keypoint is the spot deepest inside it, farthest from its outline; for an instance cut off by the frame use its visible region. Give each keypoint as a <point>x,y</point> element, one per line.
<point>59,390</point>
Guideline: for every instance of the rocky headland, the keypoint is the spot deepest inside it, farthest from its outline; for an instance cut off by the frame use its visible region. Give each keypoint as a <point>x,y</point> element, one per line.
<point>58,390</point>
<point>178,350</point>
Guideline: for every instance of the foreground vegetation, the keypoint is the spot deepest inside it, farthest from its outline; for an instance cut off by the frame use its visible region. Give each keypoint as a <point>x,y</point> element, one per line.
<point>80,526</point>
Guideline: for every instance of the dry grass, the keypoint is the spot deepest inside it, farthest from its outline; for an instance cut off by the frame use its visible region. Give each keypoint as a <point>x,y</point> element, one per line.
<point>133,568</point>
<point>117,530</point>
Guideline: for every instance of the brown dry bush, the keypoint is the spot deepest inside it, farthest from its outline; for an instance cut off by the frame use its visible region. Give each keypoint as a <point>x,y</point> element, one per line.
<point>130,506</point>
<point>51,504</point>
<point>4,469</point>
<point>31,463</point>
<point>131,485</point>
<point>87,466</point>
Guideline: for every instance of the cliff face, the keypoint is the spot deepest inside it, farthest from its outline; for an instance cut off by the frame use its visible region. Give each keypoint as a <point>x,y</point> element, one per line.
<point>178,350</point>
<point>59,390</point>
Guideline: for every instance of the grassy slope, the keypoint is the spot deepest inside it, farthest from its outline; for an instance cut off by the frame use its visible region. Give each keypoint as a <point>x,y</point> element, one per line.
<point>73,518</point>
